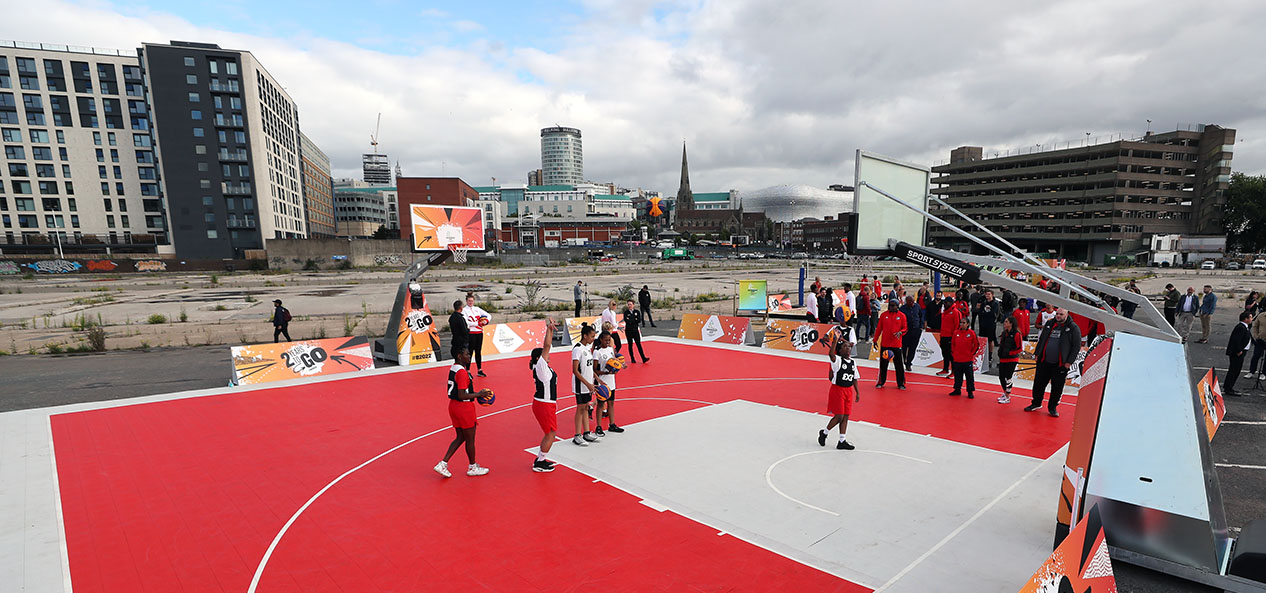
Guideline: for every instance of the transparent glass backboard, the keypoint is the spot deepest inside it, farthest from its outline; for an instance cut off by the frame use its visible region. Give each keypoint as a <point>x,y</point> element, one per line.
<point>878,218</point>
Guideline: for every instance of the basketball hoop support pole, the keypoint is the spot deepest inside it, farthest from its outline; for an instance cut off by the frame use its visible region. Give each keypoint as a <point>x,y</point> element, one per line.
<point>385,347</point>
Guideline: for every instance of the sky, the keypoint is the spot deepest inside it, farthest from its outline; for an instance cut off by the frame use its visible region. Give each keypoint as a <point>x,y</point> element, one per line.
<point>762,92</point>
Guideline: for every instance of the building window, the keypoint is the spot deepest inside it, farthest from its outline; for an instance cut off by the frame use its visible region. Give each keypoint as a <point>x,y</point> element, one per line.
<point>110,220</point>
<point>114,155</point>
<point>230,67</point>
<point>199,132</point>
<point>206,201</point>
<point>74,220</point>
<point>123,219</point>
<point>189,61</point>
<point>199,148</point>
<point>61,137</point>
<point>191,78</point>
<point>114,141</point>
<point>211,234</point>
<point>39,136</point>
<point>15,153</point>
<point>195,114</point>
<point>215,66</point>
<point>105,188</point>
<point>194,98</point>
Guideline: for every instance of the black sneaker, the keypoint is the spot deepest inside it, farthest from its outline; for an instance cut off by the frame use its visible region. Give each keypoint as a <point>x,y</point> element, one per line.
<point>644,359</point>
<point>542,465</point>
<point>955,393</point>
<point>481,373</point>
<point>845,445</point>
<point>614,428</point>
<point>901,387</point>
<point>822,438</point>
<point>1032,408</point>
<point>599,432</point>
<point>879,385</point>
<point>970,395</point>
<point>1053,413</point>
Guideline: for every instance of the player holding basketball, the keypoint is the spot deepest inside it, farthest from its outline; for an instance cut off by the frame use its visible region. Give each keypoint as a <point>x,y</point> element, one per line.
<point>601,356</point>
<point>582,384</point>
<point>844,389</point>
<point>461,408</point>
<point>476,319</point>
<point>545,400</point>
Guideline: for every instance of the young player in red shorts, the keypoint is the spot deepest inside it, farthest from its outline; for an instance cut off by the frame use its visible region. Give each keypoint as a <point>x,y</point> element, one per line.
<point>545,400</point>
<point>844,390</point>
<point>461,408</point>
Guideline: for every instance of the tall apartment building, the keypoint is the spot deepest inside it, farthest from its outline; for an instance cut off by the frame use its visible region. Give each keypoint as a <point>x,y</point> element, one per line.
<point>562,156</point>
<point>79,170</point>
<point>536,177</point>
<point>376,168</point>
<point>228,140</point>
<point>318,189</point>
<point>1090,201</point>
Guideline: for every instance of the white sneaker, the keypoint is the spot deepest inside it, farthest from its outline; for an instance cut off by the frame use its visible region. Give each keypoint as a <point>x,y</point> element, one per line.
<point>1263,377</point>
<point>576,440</point>
<point>589,437</point>
<point>1005,399</point>
<point>1248,375</point>
<point>441,468</point>
<point>476,470</point>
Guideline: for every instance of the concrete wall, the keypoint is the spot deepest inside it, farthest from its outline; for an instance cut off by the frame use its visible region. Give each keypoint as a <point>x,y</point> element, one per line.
<point>330,254</point>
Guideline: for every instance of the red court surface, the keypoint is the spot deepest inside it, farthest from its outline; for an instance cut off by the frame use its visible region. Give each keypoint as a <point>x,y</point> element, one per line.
<point>189,494</point>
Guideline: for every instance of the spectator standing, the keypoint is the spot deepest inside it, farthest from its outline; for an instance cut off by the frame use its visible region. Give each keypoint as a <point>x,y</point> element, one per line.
<point>988,319</point>
<point>850,299</point>
<point>1023,322</point>
<point>811,307</point>
<point>914,330</point>
<point>1253,303</point>
<point>890,332</point>
<point>1045,315</point>
<point>632,331</point>
<point>1010,345</point>
<point>644,301</point>
<point>1258,332</point>
<point>609,315</point>
<point>460,330</point>
<point>1057,347</point>
<point>862,313</point>
<point>932,316</point>
<point>973,301</point>
<point>950,315</point>
<point>816,287</point>
<point>1128,308</point>
<point>576,294</point>
<point>1171,296</point>
<point>476,319</point>
<point>1008,304</point>
<point>1208,304</point>
<point>1188,306</point>
<point>281,321</point>
<point>1236,346</point>
<point>965,347</point>
<point>825,308</point>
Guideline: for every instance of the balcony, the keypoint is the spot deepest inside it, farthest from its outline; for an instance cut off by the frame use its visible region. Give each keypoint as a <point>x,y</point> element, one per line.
<point>236,155</point>
<point>234,121</point>
<point>229,189</point>
<point>235,222</point>
<point>230,86</point>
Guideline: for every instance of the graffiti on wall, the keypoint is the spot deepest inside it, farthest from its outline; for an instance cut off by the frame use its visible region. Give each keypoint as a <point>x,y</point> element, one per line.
<point>8,267</point>
<point>391,259</point>
<point>54,266</point>
<point>100,265</point>
<point>151,265</point>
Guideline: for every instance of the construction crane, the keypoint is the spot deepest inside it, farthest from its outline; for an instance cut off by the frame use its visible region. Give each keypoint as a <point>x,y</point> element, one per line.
<point>373,138</point>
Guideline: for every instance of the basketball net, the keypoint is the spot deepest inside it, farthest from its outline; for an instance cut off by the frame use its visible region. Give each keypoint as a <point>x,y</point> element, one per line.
<point>459,251</point>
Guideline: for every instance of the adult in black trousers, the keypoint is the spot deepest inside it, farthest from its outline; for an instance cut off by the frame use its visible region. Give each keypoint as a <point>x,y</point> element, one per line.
<point>575,293</point>
<point>633,331</point>
<point>644,301</point>
<point>281,325</point>
<point>1236,348</point>
<point>914,330</point>
<point>460,330</point>
<point>825,308</point>
<point>1057,348</point>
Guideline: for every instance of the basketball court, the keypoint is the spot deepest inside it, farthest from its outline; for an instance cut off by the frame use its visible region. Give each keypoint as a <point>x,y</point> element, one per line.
<point>718,484</point>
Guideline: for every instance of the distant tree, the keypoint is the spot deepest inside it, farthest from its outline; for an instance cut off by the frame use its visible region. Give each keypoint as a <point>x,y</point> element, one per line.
<point>383,232</point>
<point>1245,217</point>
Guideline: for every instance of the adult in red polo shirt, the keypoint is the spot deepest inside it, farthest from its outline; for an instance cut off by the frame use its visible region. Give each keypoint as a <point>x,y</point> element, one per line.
<point>892,326</point>
<point>949,324</point>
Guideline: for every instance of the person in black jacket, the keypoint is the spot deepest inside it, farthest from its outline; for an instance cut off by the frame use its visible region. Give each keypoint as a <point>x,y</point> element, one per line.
<point>1057,348</point>
<point>632,331</point>
<point>914,330</point>
<point>281,325</point>
<point>461,331</point>
<point>825,308</point>
<point>1236,347</point>
<point>644,301</point>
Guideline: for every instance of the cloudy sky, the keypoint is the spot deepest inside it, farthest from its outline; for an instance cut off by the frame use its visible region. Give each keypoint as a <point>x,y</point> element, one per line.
<point>763,92</point>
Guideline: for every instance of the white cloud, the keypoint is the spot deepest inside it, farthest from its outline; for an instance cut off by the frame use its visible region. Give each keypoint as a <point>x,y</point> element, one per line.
<point>764,93</point>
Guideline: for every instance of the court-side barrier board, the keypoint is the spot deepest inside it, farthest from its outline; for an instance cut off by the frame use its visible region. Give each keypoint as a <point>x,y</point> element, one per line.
<point>1211,402</point>
<point>1081,562</point>
<point>500,338</point>
<point>722,329</point>
<point>1081,444</point>
<point>797,336</point>
<point>265,363</point>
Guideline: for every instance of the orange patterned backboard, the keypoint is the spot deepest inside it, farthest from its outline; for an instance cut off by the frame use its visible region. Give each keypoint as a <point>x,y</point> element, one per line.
<point>437,227</point>
<point>265,363</point>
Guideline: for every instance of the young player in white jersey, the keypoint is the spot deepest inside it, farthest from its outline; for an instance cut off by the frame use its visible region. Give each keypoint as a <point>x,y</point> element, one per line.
<point>545,399</point>
<point>844,389</point>
<point>476,319</point>
<point>582,384</point>
<point>604,352</point>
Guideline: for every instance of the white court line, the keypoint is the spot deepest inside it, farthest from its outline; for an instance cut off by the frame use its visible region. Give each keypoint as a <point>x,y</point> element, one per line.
<point>770,470</point>
<point>1240,466</point>
<point>957,531</point>
<point>1245,422</point>
<point>259,570</point>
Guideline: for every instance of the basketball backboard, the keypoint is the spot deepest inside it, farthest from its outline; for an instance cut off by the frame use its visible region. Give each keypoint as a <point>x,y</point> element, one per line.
<point>437,227</point>
<point>876,219</point>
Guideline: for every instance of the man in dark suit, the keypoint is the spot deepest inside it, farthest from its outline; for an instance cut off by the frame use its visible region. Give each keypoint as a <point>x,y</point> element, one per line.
<point>644,301</point>
<point>1236,347</point>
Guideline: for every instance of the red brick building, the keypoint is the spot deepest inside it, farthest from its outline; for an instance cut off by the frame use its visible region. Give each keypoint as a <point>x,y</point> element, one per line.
<point>554,232</point>
<point>430,191</point>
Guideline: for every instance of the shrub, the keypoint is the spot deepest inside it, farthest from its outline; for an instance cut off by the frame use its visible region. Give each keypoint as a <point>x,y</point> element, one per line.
<point>708,297</point>
<point>54,348</point>
<point>345,265</point>
<point>215,279</point>
<point>97,338</point>
<point>321,332</point>
<point>156,319</point>
<point>311,265</point>
<point>184,316</point>
<point>221,308</point>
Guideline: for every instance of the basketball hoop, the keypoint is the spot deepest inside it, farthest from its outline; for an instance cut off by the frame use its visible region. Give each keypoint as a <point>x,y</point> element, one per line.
<point>459,251</point>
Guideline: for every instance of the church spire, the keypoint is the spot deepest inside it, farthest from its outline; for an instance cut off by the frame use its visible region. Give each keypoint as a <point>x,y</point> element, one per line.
<point>685,199</point>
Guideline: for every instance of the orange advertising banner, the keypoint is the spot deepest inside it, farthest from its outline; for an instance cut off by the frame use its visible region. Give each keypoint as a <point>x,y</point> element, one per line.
<point>1085,427</point>
<point>1211,400</point>
<point>797,336</point>
<point>265,363</point>
<point>779,302</point>
<point>714,328</point>
<point>500,338</point>
<point>417,338</point>
<point>1080,563</point>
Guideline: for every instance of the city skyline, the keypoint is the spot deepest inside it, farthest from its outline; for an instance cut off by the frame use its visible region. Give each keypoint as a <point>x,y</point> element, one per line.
<point>468,92</point>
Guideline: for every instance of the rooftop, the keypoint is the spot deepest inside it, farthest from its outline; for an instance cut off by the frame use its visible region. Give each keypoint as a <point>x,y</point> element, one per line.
<point>717,196</point>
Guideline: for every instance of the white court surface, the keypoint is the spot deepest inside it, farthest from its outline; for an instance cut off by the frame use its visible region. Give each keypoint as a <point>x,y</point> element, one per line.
<point>902,512</point>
